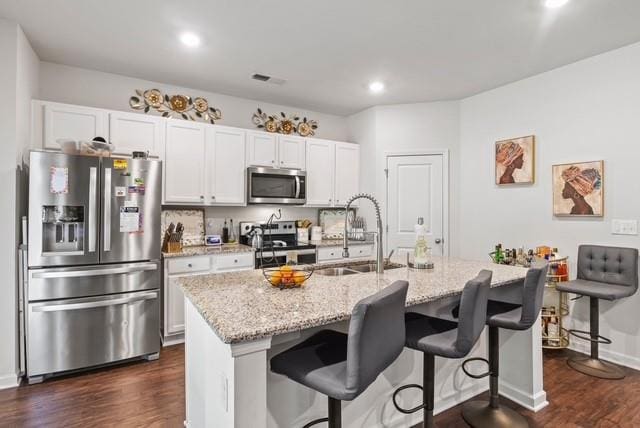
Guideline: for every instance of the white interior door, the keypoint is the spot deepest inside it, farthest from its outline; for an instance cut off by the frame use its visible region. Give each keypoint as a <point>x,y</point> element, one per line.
<point>415,188</point>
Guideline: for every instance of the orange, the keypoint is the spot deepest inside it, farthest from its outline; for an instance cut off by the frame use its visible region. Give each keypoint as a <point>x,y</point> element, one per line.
<point>275,278</point>
<point>299,277</point>
<point>286,268</point>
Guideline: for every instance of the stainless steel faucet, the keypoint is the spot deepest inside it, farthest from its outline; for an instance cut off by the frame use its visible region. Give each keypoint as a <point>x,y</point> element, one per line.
<point>345,246</point>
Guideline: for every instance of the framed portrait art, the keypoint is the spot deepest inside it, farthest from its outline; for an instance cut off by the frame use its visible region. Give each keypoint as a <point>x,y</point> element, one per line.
<point>578,189</point>
<point>515,161</point>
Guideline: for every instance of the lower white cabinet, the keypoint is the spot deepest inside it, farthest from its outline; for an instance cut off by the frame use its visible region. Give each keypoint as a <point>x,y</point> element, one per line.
<point>334,254</point>
<point>172,296</point>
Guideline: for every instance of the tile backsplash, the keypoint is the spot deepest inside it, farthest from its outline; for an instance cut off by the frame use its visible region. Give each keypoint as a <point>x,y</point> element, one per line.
<point>193,221</point>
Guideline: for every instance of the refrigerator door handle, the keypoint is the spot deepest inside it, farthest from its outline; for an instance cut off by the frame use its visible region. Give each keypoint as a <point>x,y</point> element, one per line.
<point>93,207</point>
<point>107,209</point>
<point>140,267</point>
<point>48,307</point>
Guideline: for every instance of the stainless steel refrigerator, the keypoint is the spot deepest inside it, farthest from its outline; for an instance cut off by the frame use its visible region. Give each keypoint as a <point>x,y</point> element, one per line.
<point>92,294</point>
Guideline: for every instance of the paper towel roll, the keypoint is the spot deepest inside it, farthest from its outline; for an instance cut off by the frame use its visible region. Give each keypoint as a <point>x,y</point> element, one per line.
<point>316,233</point>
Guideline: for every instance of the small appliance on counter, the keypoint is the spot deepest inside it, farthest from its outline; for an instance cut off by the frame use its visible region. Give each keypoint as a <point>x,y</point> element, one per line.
<point>274,242</point>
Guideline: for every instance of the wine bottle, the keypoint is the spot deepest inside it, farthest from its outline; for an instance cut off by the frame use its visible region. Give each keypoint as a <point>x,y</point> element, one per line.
<point>225,233</point>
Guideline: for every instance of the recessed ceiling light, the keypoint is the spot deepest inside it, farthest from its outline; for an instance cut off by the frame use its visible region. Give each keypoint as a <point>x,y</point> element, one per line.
<point>376,87</point>
<point>190,39</point>
<point>552,4</point>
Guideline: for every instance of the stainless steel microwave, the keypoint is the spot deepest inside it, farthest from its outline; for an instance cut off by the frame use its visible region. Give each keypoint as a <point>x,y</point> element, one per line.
<point>276,186</point>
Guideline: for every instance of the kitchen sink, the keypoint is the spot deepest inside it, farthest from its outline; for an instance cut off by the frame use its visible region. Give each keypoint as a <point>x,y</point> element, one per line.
<point>371,267</point>
<point>351,269</point>
<point>340,271</point>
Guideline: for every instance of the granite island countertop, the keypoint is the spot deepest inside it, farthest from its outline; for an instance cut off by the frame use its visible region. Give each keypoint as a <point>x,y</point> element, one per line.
<point>203,250</point>
<point>243,306</point>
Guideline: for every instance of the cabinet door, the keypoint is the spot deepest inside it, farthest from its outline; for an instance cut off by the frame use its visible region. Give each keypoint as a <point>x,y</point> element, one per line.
<point>72,122</point>
<point>262,149</point>
<point>184,162</point>
<point>174,322</point>
<point>131,132</point>
<point>291,152</point>
<point>225,168</point>
<point>347,172</point>
<point>320,172</point>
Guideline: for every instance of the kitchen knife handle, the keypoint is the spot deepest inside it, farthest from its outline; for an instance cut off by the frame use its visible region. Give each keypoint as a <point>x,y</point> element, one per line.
<point>107,209</point>
<point>93,208</point>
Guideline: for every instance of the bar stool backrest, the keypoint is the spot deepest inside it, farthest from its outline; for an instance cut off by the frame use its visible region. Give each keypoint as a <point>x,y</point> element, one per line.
<point>611,265</point>
<point>473,311</point>
<point>376,335</point>
<point>533,293</point>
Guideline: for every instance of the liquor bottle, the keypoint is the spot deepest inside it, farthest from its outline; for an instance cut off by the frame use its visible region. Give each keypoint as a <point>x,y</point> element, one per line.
<point>225,232</point>
<point>232,232</point>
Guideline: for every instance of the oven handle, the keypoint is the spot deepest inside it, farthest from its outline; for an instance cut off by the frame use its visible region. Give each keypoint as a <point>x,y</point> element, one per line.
<point>297,187</point>
<point>281,253</point>
<point>47,307</point>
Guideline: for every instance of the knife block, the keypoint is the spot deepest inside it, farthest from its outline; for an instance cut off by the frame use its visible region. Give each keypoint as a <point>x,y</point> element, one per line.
<point>173,247</point>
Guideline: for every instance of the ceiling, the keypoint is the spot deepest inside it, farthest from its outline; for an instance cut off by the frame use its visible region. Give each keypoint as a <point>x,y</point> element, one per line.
<point>326,50</point>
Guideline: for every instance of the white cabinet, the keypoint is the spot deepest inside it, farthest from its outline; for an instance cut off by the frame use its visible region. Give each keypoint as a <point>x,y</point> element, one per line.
<point>356,252</point>
<point>291,152</point>
<point>68,122</point>
<point>184,162</point>
<point>130,132</point>
<point>173,297</point>
<point>320,172</point>
<point>226,172</point>
<point>347,172</point>
<point>204,164</point>
<point>276,151</point>
<point>262,149</point>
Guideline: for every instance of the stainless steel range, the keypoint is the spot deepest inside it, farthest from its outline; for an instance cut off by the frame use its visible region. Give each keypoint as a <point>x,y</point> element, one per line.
<point>276,239</point>
<point>94,250</point>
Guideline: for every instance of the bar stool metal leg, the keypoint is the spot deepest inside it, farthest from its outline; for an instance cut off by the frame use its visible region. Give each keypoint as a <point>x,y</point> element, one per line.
<point>335,415</point>
<point>483,414</point>
<point>428,391</point>
<point>593,365</point>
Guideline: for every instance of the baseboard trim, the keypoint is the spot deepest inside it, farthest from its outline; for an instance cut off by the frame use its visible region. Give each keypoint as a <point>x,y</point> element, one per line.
<point>9,381</point>
<point>535,403</point>
<point>608,355</point>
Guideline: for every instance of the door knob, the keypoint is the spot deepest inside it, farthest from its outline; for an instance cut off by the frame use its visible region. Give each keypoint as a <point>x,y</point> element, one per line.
<point>201,196</point>
<point>438,241</point>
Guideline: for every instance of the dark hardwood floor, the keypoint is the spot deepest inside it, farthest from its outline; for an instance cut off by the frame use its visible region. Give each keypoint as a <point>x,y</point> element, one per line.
<point>151,394</point>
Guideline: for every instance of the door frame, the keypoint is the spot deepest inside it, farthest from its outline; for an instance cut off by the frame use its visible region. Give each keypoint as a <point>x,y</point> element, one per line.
<point>445,190</point>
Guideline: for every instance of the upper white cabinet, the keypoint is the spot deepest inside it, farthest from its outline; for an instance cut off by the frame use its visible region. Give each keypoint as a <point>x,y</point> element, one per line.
<point>58,121</point>
<point>347,172</point>
<point>333,171</point>
<point>184,162</point>
<point>130,132</point>
<point>291,152</point>
<point>263,149</point>
<point>226,172</point>
<point>320,172</point>
<point>276,151</point>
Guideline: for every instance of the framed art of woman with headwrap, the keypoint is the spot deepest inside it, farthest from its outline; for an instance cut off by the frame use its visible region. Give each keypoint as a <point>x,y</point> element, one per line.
<point>515,161</point>
<point>578,189</point>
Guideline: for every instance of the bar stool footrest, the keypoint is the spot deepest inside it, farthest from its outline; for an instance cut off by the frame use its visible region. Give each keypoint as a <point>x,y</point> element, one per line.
<point>407,411</point>
<point>315,422</point>
<point>475,376</point>
<point>586,335</point>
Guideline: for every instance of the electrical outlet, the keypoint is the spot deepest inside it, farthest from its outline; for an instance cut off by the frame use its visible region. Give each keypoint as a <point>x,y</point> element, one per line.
<point>624,227</point>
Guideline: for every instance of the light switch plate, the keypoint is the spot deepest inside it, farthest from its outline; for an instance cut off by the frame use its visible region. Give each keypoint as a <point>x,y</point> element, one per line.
<point>624,227</point>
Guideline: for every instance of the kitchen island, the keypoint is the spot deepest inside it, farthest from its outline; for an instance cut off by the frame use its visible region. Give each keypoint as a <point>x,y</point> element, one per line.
<point>235,322</point>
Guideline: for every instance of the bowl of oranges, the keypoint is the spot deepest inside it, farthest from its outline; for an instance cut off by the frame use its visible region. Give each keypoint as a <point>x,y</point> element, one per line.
<point>287,276</point>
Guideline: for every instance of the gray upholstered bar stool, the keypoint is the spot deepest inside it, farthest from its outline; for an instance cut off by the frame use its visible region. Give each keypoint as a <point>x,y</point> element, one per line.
<point>490,414</point>
<point>608,273</point>
<point>445,338</point>
<point>342,366</point>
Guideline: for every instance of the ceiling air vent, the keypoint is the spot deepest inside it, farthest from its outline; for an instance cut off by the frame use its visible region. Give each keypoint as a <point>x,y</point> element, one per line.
<point>269,79</point>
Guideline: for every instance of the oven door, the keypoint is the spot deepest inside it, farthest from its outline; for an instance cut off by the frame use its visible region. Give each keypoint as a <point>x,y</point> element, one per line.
<point>276,186</point>
<point>269,258</point>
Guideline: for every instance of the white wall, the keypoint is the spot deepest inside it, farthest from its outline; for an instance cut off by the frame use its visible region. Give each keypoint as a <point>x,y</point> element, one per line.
<point>589,110</point>
<point>18,83</point>
<point>404,128</point>
<point>112,91</point>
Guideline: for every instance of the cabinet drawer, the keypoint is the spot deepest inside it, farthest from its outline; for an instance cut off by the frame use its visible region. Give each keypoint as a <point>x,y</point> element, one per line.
<point>329,253</point>
<point>361,251</point>
<point>230,262</point>
<point>189,264</point>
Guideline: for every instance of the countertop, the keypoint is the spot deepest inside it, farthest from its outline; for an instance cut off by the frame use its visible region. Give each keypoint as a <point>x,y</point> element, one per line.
<point>203,250</point>
<point>243,306</point>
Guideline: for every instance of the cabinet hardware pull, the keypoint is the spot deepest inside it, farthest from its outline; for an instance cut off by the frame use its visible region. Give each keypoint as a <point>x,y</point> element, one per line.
<point>189,265</point>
